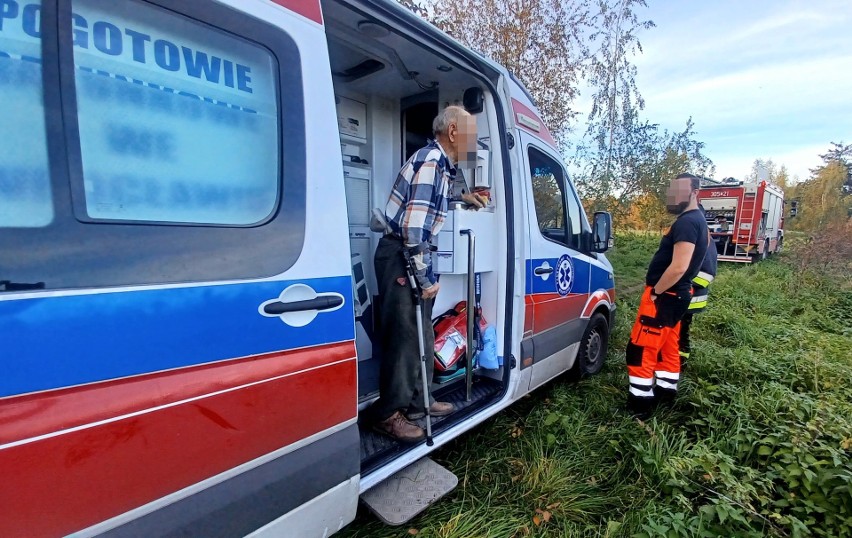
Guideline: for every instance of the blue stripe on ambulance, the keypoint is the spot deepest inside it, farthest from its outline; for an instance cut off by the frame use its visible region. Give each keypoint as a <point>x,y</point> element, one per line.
<point>48,343</point>
<point>535,284</point>
<point>601,279</point>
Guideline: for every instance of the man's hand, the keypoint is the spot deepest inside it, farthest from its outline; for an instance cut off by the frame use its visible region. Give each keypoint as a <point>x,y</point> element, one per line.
<point>476,200</point>
<point>431,292</point>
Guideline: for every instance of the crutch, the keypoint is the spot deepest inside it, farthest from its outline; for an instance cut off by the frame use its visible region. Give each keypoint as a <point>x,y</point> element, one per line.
<point>418,307</point>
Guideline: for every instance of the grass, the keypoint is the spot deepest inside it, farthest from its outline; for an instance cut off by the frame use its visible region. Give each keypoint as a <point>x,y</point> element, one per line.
<point>757,444</point>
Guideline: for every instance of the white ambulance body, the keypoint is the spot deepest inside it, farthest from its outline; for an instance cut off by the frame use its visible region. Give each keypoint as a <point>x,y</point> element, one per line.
<point>187,288</point>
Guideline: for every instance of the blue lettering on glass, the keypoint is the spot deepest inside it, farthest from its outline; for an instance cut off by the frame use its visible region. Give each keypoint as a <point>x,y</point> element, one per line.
<point>198,62</point>
<point>138,40</point>
<point>8,10</point>
<point>81,37</point>
<point>107,38</point>
<point>243,78</point>
<point>31,20</point>
<point>229,74</point>
<point>166,55</point>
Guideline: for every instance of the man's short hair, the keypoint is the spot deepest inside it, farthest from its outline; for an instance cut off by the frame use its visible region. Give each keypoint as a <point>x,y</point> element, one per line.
<point>449,115</point>
<point>694,181</point>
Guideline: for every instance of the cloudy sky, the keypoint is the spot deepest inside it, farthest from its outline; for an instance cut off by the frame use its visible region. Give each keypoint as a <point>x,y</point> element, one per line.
<point>760,78</point>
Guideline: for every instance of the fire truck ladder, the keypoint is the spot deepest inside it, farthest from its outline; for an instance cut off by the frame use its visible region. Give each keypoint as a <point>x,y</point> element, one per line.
<point>741,238</point>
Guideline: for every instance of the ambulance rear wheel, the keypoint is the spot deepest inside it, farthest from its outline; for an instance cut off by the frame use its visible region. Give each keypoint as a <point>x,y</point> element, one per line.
<point>593,347</point>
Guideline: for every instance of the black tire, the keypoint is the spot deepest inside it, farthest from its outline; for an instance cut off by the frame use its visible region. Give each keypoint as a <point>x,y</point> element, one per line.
<point>779,245</point>
<point>593,347</point>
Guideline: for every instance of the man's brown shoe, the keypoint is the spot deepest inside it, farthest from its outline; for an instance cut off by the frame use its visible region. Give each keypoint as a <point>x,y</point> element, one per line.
<point>399,428</point>
<point>437,409</point>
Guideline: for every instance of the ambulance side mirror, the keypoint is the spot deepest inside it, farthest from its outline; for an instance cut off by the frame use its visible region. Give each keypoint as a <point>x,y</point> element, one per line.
<point>602,232</point>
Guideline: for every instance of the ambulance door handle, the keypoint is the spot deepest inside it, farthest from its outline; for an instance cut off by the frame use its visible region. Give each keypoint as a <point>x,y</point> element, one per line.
<point>325,302</point>
<point>543,270</point>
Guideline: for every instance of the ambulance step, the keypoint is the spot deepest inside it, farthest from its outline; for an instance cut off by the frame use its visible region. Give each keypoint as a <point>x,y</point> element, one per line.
<point>409,491</point>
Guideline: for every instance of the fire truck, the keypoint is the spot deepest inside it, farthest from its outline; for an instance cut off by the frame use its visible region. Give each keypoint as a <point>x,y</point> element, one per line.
<point>746,219</point>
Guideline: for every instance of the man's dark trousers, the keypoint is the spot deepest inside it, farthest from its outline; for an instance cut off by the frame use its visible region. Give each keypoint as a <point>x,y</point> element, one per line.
<point>399,373</point>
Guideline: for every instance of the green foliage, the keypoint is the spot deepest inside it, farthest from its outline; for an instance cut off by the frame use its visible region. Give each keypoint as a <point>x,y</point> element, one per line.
<point>759,442</point>
<point>822,199</point>
<point>542,42</point>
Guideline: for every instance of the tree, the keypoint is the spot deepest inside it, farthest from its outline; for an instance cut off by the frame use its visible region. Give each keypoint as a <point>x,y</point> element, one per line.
<point>821,200</point>
<point>539,41</point>
<point>762,169</point>
<point>842,154</point>
<point>647,212</point>
<point>782,179</point>
<point>416,7</point>
<point>646,159</point>
<point>616,101</point>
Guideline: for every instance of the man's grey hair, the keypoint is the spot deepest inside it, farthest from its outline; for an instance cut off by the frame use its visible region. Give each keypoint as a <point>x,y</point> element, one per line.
<point>449,115</point>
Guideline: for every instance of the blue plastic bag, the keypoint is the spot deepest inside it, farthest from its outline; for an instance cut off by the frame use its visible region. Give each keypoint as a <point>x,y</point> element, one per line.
<point>487,357</point>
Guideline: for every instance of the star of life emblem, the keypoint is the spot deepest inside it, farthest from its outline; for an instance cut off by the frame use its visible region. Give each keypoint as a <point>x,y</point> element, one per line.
<point>564,275</point>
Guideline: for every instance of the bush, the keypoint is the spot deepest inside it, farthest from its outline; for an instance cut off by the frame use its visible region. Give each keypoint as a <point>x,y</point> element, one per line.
<point>826,253</point>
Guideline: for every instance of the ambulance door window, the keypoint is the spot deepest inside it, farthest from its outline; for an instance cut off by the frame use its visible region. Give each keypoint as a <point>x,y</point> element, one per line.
<point>575,217</point>
<point>25,193</point>
<point>548,185</point>
<point>177,144</point>
<point>178,121</point>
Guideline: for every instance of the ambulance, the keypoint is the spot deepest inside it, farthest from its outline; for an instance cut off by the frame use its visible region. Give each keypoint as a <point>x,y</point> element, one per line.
<point>187,289</point>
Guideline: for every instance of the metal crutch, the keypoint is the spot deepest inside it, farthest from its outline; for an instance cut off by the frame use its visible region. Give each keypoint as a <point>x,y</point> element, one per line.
<point>418,307</point>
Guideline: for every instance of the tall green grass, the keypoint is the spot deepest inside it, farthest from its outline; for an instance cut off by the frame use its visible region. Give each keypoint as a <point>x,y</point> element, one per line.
<point>758,442</point>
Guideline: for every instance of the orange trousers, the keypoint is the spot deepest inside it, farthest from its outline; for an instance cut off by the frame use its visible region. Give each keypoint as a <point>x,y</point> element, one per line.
<point>653,358</point>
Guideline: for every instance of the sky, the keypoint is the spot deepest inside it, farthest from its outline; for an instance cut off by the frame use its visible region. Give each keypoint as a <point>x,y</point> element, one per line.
<point>760,78</point>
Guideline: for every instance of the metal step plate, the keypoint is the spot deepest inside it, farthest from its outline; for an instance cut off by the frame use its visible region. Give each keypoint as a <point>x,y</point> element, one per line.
<point>409,491</point>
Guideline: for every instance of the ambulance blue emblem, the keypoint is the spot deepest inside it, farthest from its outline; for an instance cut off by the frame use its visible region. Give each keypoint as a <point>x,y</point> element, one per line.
<point>564,275</point>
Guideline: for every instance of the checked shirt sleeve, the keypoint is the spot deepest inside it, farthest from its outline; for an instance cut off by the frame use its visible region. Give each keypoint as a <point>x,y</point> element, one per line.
<point>418,219</point>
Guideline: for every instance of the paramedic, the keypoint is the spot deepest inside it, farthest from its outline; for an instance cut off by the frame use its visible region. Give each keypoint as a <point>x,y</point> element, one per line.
<point>415,213</point>
<point>653,361</point>
<point>700,291</point>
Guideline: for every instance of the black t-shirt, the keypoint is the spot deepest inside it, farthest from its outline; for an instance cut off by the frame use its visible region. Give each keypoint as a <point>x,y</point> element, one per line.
<point>691,227</point>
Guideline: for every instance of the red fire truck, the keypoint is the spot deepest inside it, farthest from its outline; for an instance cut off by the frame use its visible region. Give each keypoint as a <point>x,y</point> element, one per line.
<point>746,219</point>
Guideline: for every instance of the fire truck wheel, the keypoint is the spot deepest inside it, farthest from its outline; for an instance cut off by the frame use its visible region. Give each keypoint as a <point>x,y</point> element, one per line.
<point>765,250</point>
<point>593,348</point>
<point>779,245</point>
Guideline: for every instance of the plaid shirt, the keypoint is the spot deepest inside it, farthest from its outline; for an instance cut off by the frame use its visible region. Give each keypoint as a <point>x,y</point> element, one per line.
<point>417,205</point>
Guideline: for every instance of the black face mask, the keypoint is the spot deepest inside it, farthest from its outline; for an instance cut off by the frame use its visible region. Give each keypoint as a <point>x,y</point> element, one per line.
<point>677,209</point>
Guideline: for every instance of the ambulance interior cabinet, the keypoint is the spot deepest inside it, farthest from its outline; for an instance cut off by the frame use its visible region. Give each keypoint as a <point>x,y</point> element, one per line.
<point>452,254</point>
<point>351,120</point>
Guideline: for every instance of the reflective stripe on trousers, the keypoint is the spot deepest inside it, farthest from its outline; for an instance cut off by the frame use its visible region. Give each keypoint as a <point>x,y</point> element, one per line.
<point>653,356</point>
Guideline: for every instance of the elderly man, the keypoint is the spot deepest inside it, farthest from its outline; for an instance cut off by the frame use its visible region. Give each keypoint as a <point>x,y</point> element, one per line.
<point>415,213</point>
<point>653,360</point>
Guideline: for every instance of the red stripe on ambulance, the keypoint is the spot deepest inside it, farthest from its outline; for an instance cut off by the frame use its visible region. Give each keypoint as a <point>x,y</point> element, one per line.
<point>48,412</point>
<point>552,310</point>
<point>306,8</point>
<point>528,120</point>
<point>94,473</point>
<point>599,297</point>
